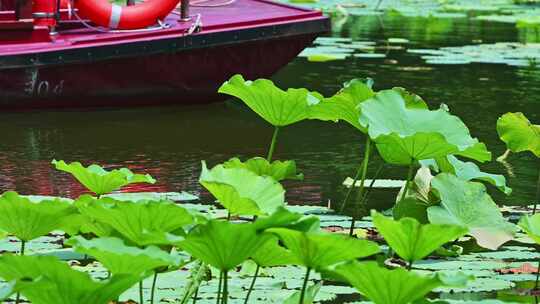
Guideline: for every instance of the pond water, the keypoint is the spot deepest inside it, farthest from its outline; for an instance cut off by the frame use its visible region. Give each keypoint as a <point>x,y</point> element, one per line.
<point>170,142</point>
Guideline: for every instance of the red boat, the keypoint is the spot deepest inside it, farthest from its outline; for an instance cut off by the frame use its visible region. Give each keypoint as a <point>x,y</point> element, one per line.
<point>76,54</point>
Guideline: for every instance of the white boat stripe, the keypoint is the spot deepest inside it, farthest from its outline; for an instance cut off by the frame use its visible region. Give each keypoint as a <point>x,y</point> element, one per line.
<point>116,13</point>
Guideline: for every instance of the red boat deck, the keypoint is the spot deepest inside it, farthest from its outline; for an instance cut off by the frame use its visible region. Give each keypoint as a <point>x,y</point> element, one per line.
<point>240,14</point>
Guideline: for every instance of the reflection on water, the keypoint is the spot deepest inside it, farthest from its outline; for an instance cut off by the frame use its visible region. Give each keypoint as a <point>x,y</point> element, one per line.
<point>170,142</point>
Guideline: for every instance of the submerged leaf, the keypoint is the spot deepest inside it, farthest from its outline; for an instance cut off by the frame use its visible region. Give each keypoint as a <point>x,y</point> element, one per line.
<point>222,244</point>
<point>143,222</point>
<point>121,259</point>
<point>403,134</point>
<point>318,250</point>
<point>241,191</point>
<point>278,170</point>
<point>413,241</point>
<point>100,181</point>
<point>279,108</point>
<point>518,133</point>
<point>398,286</point>
<point>28,220</point>
<point>467,204</point>
<point>45,280</point>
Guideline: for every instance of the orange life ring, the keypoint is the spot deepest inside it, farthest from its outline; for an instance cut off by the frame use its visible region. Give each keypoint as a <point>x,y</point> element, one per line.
<point>114,16</point>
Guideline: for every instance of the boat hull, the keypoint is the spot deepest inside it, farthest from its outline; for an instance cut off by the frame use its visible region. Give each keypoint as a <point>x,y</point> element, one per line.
<point>189,76</point>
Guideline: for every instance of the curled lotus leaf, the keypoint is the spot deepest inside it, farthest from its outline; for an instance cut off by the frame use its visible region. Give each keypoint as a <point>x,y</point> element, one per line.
<point>318,250</point>
<point>518,133</point>
<point>28,220</point>
<point>142,222</point>
<point>241,191</point>
<point>278,107</point>
<point>403,135</point>
<point>467,171</point>
<point>467,204</point>
<point>119,258</point>
<point>413,241</point>
<point>99,180</point>
<point>278,170</point>
<point>398,286</point>
<point>46,280</point>
<point>531,226</point>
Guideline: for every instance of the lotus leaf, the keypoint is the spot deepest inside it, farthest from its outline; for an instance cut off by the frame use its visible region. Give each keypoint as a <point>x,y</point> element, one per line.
<point>518,133</point>
<point>309,297</point>
<point>222,244</point>
<point>467,204</point>
<point>45,280</point>
<point>119,258</point>
<point>242,191</point>
<point>468,171</point>
<point>278,170</point>
<point>143,222</point>
<point>100,181</point>
<point>28,220</point>
<point>403,135</point>
<point>317,250</point>
<point>531,225</point>
<point>413,241</point>
<point>272,254</point>
<point>344,104</point>
<point>398,286</point>
<point>279,108</point>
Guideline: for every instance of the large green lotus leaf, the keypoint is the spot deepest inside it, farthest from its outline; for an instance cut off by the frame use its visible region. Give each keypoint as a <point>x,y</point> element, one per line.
<point>45,280</point>
<point>413,241</point>
<point>222,244</point>
<point>279,170</point>
<point>319,250</point>
<point>272,254</point>
<point>398,286</point>
<point>279,108</point>
<point>119,258</point>
<point>241,191</point>
<point>531,226</point>
<point>467,204</point>
<point>403,134</point>
<point>518,133</point>
<point>143,222</point>
<point>100,181</point>
<point>468,171</point>
<point>344,104</point>
<point>28,220</point>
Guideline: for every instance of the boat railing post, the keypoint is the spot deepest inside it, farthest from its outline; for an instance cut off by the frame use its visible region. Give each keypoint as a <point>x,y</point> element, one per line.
<point>184,10</point>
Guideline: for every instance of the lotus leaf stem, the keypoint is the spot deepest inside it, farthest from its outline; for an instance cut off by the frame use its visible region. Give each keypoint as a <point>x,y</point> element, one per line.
<point>365,163</point>
<point>409,265</point>
<point>537,276</point>
<point>356,178</point>
<point>195,296</point>
<point>153,288</point>
<point>141,298</point>
<point>23,245</point>
<point>537,193</point>
<point>252,284</point>
<point>219,287</point>
<point>303,292</point>
<point>408,181</point>
<point>272,144</point>
<point>225,296</point>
